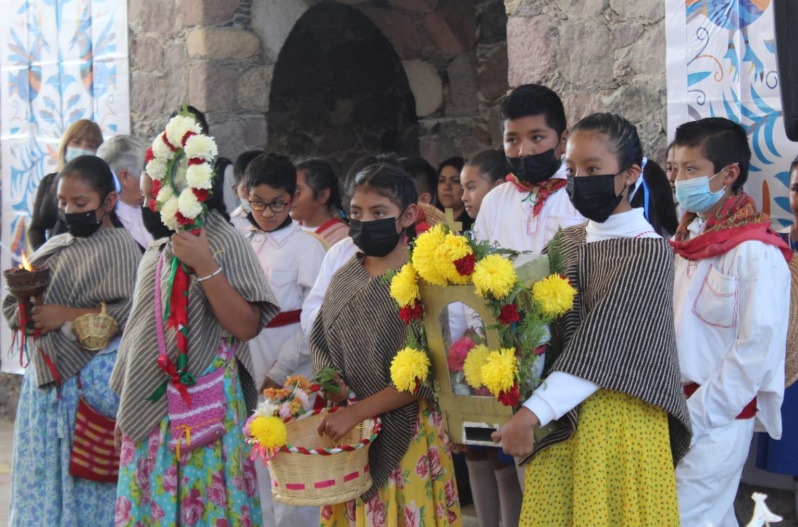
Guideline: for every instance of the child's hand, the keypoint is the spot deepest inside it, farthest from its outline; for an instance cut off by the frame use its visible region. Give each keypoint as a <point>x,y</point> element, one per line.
<point>194,251</point>
<point>337,424</point>
<point>517,436</point>
<point>342,394</point>
<point>454,448</point>
<point>49,317</point>
<point>268,383</point>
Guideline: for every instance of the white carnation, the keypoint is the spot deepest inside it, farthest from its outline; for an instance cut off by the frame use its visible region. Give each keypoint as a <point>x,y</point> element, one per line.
<point>200,176</point>
<point>190,207</point>
<point>156,169</point>
<point>169,214</point>
<point>178,127</point>
<point>161,150</point>
<point>164,194</point>
<point>200,146</point>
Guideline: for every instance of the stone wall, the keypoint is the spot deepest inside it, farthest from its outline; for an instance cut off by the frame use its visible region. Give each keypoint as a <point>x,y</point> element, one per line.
<point>599,55</point>
<point>10,385</point>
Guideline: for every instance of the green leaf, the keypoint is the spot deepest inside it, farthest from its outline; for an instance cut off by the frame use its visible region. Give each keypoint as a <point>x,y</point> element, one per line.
<point>326,378</point>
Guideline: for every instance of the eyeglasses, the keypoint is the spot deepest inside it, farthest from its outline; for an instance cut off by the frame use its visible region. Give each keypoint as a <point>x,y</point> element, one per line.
<point>275,206</point>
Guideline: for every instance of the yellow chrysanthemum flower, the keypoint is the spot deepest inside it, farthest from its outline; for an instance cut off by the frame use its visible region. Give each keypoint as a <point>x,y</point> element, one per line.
<point>269,432</point>
<point>494,275</point>
<point>408,368</point>
<point>404,286</point>
<point>452,249</point>
<point>472,367</point>
<point>555,295</point>
<point>425,255</point>
<point>499,371</point>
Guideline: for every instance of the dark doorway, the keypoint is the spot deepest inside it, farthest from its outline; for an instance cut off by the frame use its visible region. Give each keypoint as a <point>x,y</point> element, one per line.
<point>339,90</point>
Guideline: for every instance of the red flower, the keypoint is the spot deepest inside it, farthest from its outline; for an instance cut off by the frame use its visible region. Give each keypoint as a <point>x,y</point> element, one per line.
<point>185,137</point>
<point>153,205</point>
<point>172,147</point>
<point>509,314</point>
<point>149,156</point>
<point>195,161</point>
<point>156,187</point>
<point>540,350</point>
<point>182,220</point>
<point>410,313</point>
<point>201,194</point>
<point>465,265</point>
<point>511,397</point>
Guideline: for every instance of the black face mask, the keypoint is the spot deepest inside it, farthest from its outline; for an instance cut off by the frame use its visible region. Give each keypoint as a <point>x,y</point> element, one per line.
<point>594,196</point>
<point>152,222</point>
<point>375,238</point>
<point>80,224</point>
<point>535,169</point>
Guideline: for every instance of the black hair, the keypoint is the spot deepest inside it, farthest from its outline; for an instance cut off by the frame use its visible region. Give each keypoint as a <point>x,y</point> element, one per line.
<point>389,181</point>
<point>534,99</point>
<point>220,165</point>
<point>794,164</point>
<point>456,162</point>
<point>96,174</point>
<point>241,163</point>
<point>198,116</point>
<point>273,170</point>
<point>320,175</point>
<point>492,163</point>
<point>722,141</point>
<point>625,144</point>
<point>423,175</point>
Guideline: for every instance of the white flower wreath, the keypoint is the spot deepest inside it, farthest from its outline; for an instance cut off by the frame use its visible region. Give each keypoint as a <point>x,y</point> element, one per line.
<point>181,151</point>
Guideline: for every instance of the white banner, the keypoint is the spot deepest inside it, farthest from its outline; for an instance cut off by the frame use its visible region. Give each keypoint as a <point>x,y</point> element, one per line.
<point>721,61</point>
<point>60,61</point>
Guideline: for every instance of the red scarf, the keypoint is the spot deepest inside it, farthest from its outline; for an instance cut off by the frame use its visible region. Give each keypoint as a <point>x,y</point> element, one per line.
<point>543,190</point>
<point>734,223</point>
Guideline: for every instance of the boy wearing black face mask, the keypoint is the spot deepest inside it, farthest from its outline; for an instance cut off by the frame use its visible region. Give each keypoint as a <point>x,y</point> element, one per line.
<point>291,259</point>
<point>526,214</point>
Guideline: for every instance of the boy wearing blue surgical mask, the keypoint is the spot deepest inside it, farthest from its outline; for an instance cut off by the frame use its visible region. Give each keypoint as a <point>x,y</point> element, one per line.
<point>730,313</point>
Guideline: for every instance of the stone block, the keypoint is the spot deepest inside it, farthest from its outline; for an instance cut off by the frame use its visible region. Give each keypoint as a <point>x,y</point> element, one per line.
<point>146,95</point>
<point>206,12</point>
<point>647,54</point>
<point>221,43</point>
<point>452,28</point>
<point>581,104</point>
<point>461,99</point>
<point>583,56</point>
<point>624,34</point>
<point>523,8</point>
<point>529,51</point>
<point>229,136</point>
<point>636,102</point>
<point>492,24</point>
<point>175,75</point>
<point>152,16</point>
<point>582,8</point>
<point>492,78</point>
<point>210,86</point>
<point>426,85</point>
<point>273,20</point>
<point>147,53</point>
<point>421,6</point>
<point>644,12</point>
<point>253,88</point>
<point>255,131</point>
<point>399,29</point>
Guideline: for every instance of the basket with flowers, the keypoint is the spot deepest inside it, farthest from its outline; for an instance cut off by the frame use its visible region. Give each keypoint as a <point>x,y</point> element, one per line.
<point>308,469</point>
<point>511,299</point>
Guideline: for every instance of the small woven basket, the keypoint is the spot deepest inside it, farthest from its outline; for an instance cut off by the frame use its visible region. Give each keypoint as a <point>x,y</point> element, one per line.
<point>322,472</point>
<point>95,331</point>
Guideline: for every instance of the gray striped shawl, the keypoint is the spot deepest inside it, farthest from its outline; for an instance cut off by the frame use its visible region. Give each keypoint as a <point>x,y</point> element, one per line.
<point>83,273</point>
<point>620,333</point>
<point>136,374</point>
<point>358,332</point>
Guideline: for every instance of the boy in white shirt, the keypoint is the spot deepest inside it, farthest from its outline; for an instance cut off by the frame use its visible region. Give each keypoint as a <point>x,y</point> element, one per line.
<point>238,217</point>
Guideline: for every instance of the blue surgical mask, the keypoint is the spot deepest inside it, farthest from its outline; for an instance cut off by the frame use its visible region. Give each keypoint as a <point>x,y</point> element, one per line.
<point>694,195</point>
<point>72,152</point>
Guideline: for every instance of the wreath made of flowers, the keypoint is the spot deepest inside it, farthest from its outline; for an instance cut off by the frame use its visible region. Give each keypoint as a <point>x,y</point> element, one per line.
<point>180,152</point>
<point>523,310</point>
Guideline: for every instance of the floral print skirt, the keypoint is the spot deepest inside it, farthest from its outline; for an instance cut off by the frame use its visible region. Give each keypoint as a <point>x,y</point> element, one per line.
<point>420,491</point>
<point>213,486</point>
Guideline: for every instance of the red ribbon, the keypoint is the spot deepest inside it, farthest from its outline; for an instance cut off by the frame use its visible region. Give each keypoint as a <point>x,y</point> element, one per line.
<point>169,367</point>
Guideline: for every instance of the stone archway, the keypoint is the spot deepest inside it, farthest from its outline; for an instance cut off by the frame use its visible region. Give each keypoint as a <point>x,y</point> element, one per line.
<point>339,90</point>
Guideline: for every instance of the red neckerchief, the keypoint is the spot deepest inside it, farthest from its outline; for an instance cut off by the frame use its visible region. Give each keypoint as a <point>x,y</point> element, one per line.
<point>734,223</point>
<point>543,189</point>
<point>327,224</point>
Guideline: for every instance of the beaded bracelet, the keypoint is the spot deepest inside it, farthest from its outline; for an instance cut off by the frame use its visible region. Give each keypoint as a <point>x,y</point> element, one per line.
<point>208,277</point>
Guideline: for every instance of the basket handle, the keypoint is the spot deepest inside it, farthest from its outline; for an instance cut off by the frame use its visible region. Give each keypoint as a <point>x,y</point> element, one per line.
<point>102,309</point>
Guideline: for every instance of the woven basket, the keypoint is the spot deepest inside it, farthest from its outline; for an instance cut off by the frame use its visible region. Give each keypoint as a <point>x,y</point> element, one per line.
<point>322,472</point>
<point>94,331</point>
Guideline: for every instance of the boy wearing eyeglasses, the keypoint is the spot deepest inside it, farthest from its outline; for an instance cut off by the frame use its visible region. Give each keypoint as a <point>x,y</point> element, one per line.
<point>291,259</point>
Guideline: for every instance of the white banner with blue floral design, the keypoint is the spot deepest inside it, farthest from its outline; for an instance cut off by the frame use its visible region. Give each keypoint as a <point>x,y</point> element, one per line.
<point>60,61</point>
<point>721,62</point>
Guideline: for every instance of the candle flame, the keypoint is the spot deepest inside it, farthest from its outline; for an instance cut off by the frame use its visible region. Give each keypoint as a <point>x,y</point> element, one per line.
<point>25,263</point>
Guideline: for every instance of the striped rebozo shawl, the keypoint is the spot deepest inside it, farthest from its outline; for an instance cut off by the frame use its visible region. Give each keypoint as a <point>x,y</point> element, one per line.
<point>620,333</point>
<point>136,374</point>
<point>83,273</point>
<point>358,332</point>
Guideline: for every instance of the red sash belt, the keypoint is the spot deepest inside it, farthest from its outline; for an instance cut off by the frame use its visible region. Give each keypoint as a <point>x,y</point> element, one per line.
<point>748,412</point>
<point>285,318</point>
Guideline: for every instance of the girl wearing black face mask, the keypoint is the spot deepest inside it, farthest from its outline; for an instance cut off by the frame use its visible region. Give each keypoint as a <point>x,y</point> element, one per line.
<point>96,264</point>
<point>358,332</point>
<point>617,366</point>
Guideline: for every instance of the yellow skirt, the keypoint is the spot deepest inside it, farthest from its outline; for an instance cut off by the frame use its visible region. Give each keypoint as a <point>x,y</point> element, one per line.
<point>617,470</point>
<point>420,491</point>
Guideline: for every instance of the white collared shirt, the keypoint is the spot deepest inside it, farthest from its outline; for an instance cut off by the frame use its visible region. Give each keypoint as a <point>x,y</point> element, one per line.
<point>130,217</point>
<point>336,257</point>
